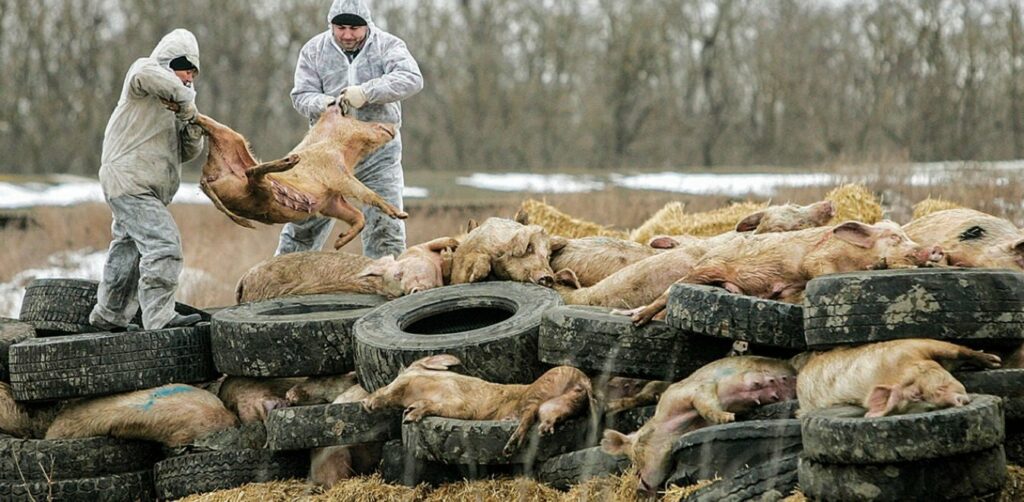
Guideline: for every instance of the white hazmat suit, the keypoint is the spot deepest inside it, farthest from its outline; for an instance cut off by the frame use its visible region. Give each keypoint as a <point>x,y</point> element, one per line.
<point>144,146</point>
<point>386,72</point>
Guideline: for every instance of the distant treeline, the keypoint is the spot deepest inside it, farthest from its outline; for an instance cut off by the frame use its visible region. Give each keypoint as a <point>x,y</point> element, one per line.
<point>542,85</point>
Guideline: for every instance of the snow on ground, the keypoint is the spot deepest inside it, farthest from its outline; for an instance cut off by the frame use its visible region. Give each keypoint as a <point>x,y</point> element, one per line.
<point>526,182</point>
<point>80,264</point>
<point>729,184</point>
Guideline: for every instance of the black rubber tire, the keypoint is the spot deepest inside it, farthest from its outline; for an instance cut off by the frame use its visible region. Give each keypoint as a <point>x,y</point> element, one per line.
<point>1014,443</point>
<point>455,441</point>
<point>772,480</point>
<point>250,436</point>
<point>975,427</point>
<point>776,411</point>
<point>126,487</point>
<point>58,307</point>
<point>178,477</point>
<point>400,466</point>
<point>957,477</point>
<point>976,307</point>
<point>42,459</point>
<point>292,336</point>
<point>629,420</point>
<point>599,342</point>
<point>724,450</point>
<point>490,326</point>
<point>108,363</point>
<point>567,469</point>
<point>1005,383</point>
<point>305,427</point>
<point>11,332</point>
<point>716,312</point>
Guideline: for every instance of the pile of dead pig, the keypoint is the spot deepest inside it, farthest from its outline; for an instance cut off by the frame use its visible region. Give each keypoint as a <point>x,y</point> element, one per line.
<point>498,354</point>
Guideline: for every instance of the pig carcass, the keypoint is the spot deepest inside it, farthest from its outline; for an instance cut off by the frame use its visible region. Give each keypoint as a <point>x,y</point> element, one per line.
<point>315,178</point>
<point>320,389</point>
<point>174,415</point>
<point>503,249</point>
<point>421,267</point>
<point>777,266</point>
<point>971,238</point>
<point>307,273</point>
<point>252,399</point>
<point>24,420</point>
<point>427,388</point>
<point>594,258</point>
<point>711,395</point>
<point>888,378</point>
<point>334,463</point>
<point>784,218</point>
<point>635,285</point>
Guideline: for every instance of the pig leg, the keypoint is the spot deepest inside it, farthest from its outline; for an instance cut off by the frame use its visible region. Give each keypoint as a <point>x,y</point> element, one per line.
<point>526,420</point>
<point>425,407</point>
<point>357,190</point>
<point>705,400</point>
<point>442,243</point>
<point>559,408</point>
<point>649,312</point>
<point>205,187</point>
<point>275,166</point>
<point>956,353</point>
<point>650,394</point>
<point>338,207</point>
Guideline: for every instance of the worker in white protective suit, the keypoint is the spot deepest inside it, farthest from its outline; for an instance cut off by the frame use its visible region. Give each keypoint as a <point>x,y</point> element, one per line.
<point>370,71</point>
<point>144,146</point>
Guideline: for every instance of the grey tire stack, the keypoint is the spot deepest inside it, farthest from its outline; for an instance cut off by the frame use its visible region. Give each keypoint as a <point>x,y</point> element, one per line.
<point>949,454</point>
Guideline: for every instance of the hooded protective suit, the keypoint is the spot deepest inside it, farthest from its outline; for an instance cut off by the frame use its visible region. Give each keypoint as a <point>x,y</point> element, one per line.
<point>387,73</point>
<point>143,148</point>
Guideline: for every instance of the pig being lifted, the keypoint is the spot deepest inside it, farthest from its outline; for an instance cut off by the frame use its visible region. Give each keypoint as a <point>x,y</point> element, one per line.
<point>426,387</point>
<point>777,266</point>
<point>711,395</point>
<point>971,238</point>
<point>506,250</point>
<point>315,178</point>
<point>887,378</point>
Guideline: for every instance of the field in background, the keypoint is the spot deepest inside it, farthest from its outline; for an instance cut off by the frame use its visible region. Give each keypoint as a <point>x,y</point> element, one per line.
<point>224,251</point>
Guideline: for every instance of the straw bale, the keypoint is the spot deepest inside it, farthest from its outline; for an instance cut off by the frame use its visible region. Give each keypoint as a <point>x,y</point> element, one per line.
<point>930,205</point>
<point>555,222</point>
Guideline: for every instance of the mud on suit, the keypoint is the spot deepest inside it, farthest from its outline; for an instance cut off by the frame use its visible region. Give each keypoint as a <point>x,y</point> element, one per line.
<point>387,73</point>
<point>144,146</point>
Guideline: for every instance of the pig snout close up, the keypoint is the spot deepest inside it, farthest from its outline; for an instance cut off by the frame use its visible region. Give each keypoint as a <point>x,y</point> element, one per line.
<point>888,378</point>
<point>711,395</point>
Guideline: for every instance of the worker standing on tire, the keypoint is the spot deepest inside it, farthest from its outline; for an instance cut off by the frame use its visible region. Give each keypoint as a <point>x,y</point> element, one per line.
<point>144,146</point>
<point>370,71</point>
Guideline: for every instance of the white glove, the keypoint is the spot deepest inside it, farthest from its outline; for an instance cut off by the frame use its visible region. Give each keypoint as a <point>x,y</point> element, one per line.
<point>192,132</point>
<point>327,102</point>
<point>353,96</point>
<point>187,113</point>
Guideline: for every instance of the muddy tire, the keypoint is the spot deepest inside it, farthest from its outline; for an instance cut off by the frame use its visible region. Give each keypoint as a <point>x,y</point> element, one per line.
<point>952,431</point>
<point>966,306</point>
<point>724,450</point>
<point>96,364</point>
<point>250,436</point>
<point>599,342</point>
<point>127,487</point>
<point>957,477</point>
<point>716,312</point>
<point>58,307</point>
<point>293,336</point>
<point>772,480</point>
<point>629,420</point>
<point>567,469</point>
<point>12,332</point>
<point>776,411</point>
<point>1005,383</point>
<point>305,427</point>
<point>179,477</point>
<point>455,441</point>
<point>42,459</point>
<point>400,466</point>
<point>490,326</point>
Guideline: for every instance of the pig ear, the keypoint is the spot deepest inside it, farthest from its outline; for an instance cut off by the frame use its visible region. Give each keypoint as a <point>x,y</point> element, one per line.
<point>440,362</point>
<point>882,400</point>
<point>520,241</point>
<point>663,242</point>
<point>750,223</point>
<point>856,233</point>
<point>567,277</point>
<point>1018,246</point>
<point>378,267</point>
<point>558,242</point>
<point>617,443</point>
<point>471,225</point>
<point>521,217</point>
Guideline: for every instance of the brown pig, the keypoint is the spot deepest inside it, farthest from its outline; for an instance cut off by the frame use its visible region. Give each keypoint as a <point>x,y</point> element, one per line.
<point>888,378</point>
<point>635,285</point>
<point>307,273</point>
<point>334,463</point>
<point>174,415</point>
<point>426,387</point>
<point>315,178</point>
<point>320,389</point>
<point>971,238</point>
<point>648,394</point>
<point>777,266</point>
<point>253,398</point>
<point>506,250</point>
<point>421,267</point>
<point>23,420</point>
<point>784,218</point>
<point>711,395</point>
<point>594,258</point>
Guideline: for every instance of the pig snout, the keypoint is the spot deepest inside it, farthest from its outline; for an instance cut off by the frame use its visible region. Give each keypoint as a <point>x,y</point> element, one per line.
<point>827,210</point>
<point>544,279</point>
<point>929,255</point>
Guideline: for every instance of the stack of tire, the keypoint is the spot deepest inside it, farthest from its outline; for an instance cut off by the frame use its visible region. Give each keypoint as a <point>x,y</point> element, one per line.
<point>52,354</point>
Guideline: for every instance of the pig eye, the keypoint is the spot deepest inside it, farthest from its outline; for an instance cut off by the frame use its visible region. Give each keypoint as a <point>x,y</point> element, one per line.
<point>529,248</point>
<point>896,238</point>
<point>974,232</point>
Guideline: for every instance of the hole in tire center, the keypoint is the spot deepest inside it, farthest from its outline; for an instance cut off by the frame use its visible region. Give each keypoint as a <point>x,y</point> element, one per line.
<point>310,309</point>
<point>457,321</point>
